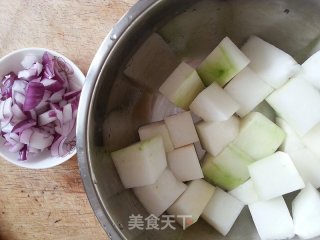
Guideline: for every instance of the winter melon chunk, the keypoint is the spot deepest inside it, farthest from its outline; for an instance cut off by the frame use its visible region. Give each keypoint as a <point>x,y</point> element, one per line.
<point>156,129</point>
<point>265,109</point>
<point>292,141</point>
<point>312,140</point>
<point>141,163</point>
<point>214,104</point>
<point>229,169</point>
<point>184,163</point>
<point>158,197</point>
<point>246,192</point>
<point>189,206</point>
<point>158,62</point>
<point>222,64</point>
<point>306,213</point>
<point>215,136</point>
<point>275,175</point>
<point>258,136</point>
<point>297,102</point>
<point>273,65</point>
<point>310,70</point>
<point>182,86</point>
<point>181,129</point>
<point>308,166</point>
<point>272,219</point>
<point>222,211</point>
<point>248,90</point>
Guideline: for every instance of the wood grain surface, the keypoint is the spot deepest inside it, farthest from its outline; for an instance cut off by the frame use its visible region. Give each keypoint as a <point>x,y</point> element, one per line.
<point>51,203</point>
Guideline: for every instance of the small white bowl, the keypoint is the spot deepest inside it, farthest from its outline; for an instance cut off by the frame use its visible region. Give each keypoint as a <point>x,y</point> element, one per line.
<point>11,63</point>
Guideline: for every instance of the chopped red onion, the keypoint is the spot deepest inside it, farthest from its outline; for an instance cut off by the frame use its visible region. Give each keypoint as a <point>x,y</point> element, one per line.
<point>47,117</point>
<point>37,108</point>
<point>7,82</point>
<point>28,61</point>
<point>34,95</point>
<point>21,126</point>
<point>57,96</point>
<point>40,139</point>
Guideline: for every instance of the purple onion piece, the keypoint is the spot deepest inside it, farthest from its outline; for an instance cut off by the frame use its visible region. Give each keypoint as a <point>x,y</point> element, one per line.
<point>34,95</point>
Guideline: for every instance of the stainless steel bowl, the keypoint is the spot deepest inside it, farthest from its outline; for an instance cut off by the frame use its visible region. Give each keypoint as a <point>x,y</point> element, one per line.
<point>113,106</point>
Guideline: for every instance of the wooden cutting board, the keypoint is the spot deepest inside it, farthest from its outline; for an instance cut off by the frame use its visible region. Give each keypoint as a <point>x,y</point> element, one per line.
<point>51,203</point>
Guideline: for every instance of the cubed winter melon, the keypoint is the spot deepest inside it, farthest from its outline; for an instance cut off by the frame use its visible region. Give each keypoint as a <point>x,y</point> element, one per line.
<point>214,104</point>
<point>215,136</point>
<point>246,192</point>
<point>189,206</point>
<point>156,129</point>
<point>181,129</point>
<point>258,136</point>
<point>310,70</point>
<point>222,211</point>
<point>184,163</point>
<point>308,165</point>
<point>272,219</point>
<point>297,102</point>
<point>292,141</point>
<point>306,213</point>
<point>158,62</point>
<point>275,175</point>
<point>312,140</point>
<point>222,64</point>
<point>182,86</point>
<point>158,197</point>
<point>141,163</point>
<point>229,169</point>
<point>273,65</point>
<point>265,109</point>
<point>248,90</point>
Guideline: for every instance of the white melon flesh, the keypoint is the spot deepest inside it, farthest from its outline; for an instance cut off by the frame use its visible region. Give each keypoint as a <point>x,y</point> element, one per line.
<point>312,140</point>
<point>158,197</point>
<point>248,90</point>
<point>184,163</point>
<point>292,141</point>
<point>189,206</point>
<point>222,211</point>
<point>275,175</point>
<point>158,62</point>
<point>306,213</point>
<point>246,192</point>
<point>222,64</point>
<point>182,86</point>
<point>308,166</point>
<point>258,137</point>
<point>273,65</point>
<point>297,102</point>
<point>140,164</point>
<point>215,136</point>
<point>181,129</point>
<point>265,109</point>
<point>157,129</point>
<point>311,71</point>
<point>272,219</point>
<point>229,169</point>
<point>214,104</point>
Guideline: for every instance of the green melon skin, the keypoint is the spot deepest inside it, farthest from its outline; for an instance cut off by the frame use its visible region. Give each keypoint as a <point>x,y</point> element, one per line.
<point>182,86</point>
<point>227,170</point>
<point>222,64</point>
<point>188,91</point>
<point>258,136</point>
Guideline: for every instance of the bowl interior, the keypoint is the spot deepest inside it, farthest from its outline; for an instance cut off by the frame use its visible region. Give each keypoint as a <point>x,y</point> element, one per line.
<point>120,104</point>
<point>11,62</point>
